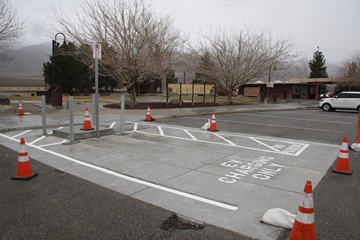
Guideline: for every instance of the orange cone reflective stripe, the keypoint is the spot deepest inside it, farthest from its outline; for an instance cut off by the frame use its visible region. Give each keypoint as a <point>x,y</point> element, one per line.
<point>24,170</point>
<point>304,225</point>
<point>213,127</point>
<point>87,122</point>
<point>20,109</point>
<point>148,115</point>
<point>343,161</point>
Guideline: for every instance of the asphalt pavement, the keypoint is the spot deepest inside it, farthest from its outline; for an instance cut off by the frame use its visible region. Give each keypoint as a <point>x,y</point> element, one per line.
<point>58,205</point>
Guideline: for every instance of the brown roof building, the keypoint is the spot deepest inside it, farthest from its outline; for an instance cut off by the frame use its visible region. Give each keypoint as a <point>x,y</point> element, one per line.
<point>294,88</point>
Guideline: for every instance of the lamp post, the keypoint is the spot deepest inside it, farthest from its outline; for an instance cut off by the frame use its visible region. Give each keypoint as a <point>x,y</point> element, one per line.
<point>269,85</point>
<point>54,45</point>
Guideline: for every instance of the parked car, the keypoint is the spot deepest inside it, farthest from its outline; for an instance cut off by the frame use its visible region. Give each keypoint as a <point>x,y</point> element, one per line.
<point>343,100</point>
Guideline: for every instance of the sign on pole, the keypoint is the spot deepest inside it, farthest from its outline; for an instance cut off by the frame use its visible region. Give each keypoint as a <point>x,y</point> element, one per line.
<point>270,84</point>
<point>97,51</point>
<point>97,56</point>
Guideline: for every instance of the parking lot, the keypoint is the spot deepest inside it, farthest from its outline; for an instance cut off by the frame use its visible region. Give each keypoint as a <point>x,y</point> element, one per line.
<point>256,161</point>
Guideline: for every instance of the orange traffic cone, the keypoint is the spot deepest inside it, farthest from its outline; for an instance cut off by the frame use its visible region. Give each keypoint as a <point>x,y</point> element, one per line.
<point>20,109</point>
<point>213,124</point>
<point>304,224</point>
<point>343,162</point>
<point>356,146</point>
<point>87,123</point>
<point>148,115</point>
<point>24,171</point>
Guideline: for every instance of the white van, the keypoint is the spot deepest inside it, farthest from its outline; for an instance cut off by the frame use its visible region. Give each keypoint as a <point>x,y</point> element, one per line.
<point>344,100</point>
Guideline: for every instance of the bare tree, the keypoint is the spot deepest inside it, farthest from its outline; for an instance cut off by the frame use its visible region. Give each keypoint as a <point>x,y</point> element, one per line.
<point>349,70</point>
<point>241,57</point>
<point>11,30</point>
<point>136,42</point>
<point>164,43</point>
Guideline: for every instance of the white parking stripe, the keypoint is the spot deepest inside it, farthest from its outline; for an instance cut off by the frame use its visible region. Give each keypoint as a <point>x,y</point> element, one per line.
<point>21,133</point>
<point>112,125</point>
<point>292,148</point>
<point>160,131</point>
<point>226,140</point>
<point>255,140</point>
<point>298,119</point>
<point>227,144</point>
<point>188,133</point>
<point>52,144</point>
<point>269,125</point>
<point>36,140</point>
<point>136,180</point>
<point>324,114</point>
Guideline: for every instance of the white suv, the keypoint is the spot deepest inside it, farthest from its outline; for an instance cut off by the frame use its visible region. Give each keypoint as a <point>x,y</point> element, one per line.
<point>344,100</point>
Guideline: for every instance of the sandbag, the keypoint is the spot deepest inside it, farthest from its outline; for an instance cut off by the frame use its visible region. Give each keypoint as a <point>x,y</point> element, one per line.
<point>279,217</point>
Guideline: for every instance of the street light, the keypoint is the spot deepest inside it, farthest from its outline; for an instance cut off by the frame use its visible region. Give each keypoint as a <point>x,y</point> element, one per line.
<point>269,85</point>
<point>55,44</point>
<point>57,100</point>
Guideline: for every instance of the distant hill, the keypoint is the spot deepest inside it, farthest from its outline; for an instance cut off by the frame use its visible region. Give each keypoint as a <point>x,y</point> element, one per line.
<point>332,69</point>
<point>28,61</point>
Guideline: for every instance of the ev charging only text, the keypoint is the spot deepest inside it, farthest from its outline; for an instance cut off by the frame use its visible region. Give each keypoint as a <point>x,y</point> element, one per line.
<point>261,168</point>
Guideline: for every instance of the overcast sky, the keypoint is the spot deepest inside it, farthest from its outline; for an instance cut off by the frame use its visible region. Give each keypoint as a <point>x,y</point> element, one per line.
<point>333,25</point>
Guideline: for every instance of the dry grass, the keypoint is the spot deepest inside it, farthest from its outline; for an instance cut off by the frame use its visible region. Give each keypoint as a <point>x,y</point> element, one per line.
<point>115,97</point>
<point>18,87</point>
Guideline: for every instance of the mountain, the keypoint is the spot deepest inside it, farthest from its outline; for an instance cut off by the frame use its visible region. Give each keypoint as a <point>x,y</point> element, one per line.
<point>28,61</point>
<point>332,69</point>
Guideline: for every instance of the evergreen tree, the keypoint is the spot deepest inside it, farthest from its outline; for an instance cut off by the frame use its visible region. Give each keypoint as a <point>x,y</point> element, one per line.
<point>65,70</point>
<point>317,66</point>
<point>204,69</point>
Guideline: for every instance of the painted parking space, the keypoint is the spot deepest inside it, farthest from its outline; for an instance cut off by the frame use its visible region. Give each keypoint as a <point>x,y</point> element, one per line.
<point>256,143</point>
<point>225,179</point>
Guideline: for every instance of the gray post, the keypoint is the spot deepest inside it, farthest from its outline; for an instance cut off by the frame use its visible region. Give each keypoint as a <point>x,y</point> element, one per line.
<point>167,93</point>
<point>192,94</point>
<point>214,94</point>
<point>180,94</point>
<point>71,123</point>
<point>43,107</point>
<point>97,98</point>
<point>122,114</point>
<point>93,109</point>
<point>71,119</point>
<point>204,94</point>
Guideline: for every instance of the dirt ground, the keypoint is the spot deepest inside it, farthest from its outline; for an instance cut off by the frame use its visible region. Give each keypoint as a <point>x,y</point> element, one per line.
<point>157,105</point>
